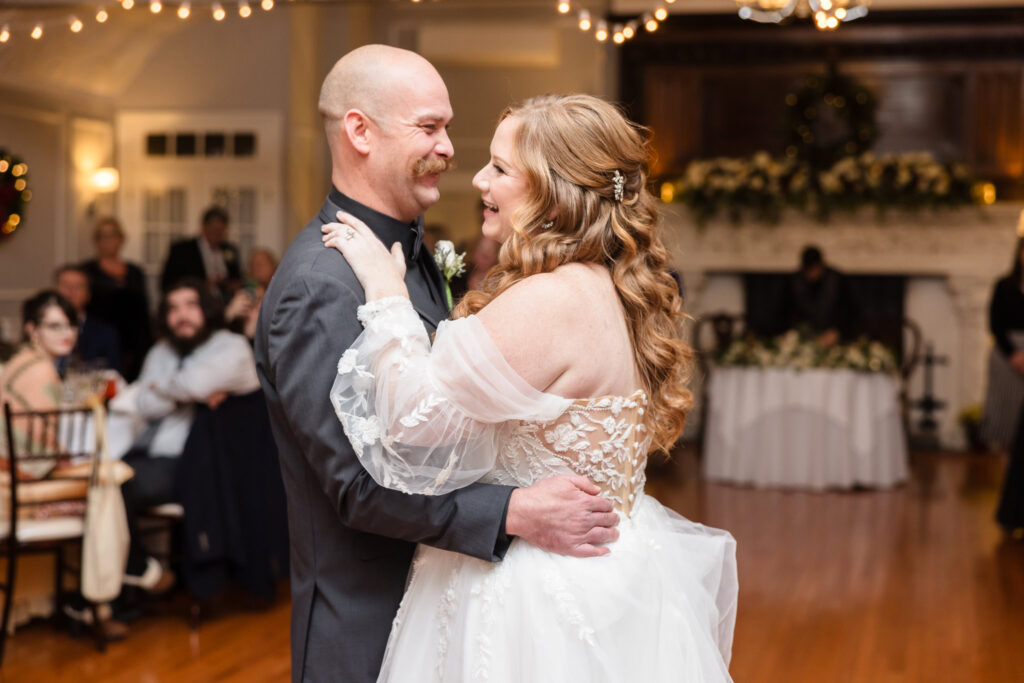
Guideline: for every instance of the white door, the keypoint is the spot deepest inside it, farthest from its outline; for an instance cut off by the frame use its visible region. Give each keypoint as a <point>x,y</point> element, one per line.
<point>175,165</point>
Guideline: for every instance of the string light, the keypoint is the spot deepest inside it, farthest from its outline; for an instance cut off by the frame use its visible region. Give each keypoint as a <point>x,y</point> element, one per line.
<point>218,12</point>
<point>5,35</point>
<point>155,6</point>
<point>127,4</point>
<point>620,33</point>
<point>76,24</point>
<point>184,10</point>
<point>584,17</point>
<point>102,16</point>
<point>37,33</point>
<point>244,10</point>
<point>267,5</point>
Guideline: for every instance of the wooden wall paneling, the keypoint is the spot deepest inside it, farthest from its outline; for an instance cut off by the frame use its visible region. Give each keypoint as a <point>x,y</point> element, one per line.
<point>998,122</point>
<point>672,102</point>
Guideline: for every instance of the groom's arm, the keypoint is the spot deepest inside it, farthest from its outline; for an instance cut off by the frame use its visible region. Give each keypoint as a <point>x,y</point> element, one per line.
<point>310,327</point>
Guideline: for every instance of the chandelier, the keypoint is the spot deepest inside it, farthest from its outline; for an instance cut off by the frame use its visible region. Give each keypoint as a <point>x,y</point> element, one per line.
<point>826,14</point>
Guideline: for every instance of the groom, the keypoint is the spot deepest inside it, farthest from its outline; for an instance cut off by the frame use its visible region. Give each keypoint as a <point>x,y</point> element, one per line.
<point>385,114</point>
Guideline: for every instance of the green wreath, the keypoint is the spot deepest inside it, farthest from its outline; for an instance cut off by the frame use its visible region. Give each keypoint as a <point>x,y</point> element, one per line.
<point>14,192</point>
<point>829,118</point>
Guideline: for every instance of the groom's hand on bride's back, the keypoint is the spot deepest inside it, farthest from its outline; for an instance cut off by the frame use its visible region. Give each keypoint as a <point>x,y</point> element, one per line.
<point>563,515</point>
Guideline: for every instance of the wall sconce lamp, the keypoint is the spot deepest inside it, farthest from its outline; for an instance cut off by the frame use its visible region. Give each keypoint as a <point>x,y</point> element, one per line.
<point>102,181</point>
<point>105,179</point>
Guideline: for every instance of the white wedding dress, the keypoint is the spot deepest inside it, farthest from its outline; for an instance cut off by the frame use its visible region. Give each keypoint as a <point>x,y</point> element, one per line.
<point>659,607</point>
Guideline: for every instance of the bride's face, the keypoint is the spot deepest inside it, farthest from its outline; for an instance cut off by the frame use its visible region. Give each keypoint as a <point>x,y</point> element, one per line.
<point>502,186</point>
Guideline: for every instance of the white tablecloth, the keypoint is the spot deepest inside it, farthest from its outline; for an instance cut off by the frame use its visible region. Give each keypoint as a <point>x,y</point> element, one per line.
<point>812,429</point>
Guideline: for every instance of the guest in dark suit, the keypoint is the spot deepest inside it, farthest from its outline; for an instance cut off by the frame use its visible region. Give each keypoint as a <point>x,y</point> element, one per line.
<point>97,344</point>
<point>385,114</point>
<point>209,257</point>
<point>819,299</point>
<point>118,295</point>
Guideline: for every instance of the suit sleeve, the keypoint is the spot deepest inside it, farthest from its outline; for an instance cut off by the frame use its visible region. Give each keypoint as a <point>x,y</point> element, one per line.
<point>171,271</point>
<point>311,326</point>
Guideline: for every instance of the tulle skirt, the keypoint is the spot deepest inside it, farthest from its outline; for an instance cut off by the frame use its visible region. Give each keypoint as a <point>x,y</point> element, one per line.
<point>660,607</point>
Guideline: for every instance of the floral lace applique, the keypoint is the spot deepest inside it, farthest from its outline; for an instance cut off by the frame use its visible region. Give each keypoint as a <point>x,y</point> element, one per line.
<point>569,613</point>
<point>445,611</point>
<point>603,439</point>
<point>491,595</point>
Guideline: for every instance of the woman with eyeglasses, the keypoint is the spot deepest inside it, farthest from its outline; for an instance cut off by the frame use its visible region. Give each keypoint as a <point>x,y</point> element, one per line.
<point>30,381</point>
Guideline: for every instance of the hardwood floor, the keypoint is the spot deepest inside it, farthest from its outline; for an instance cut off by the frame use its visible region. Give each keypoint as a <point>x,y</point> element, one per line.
<point>914,584</point>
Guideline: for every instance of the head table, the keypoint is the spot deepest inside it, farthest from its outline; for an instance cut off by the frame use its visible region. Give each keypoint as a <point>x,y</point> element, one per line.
<point>812,429</point>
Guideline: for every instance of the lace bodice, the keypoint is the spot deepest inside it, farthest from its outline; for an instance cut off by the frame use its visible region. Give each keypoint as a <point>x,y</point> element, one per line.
<point>426,418</point>
<point>603,439</point>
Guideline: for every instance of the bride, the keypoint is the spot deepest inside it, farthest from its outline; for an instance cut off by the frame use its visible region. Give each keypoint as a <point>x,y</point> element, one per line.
<point>568,360</point>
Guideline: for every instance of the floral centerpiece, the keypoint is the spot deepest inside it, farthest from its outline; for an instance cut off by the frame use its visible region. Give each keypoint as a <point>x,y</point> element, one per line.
<point>762,186</point>
<point>797,351</point>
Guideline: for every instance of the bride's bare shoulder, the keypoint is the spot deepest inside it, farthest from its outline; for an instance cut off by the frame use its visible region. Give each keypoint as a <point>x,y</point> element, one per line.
<point>557,294</point>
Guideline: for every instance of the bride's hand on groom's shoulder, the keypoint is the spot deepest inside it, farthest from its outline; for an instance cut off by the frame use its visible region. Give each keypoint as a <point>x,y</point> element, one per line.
<point>563,515</point>
<point>381,272</point>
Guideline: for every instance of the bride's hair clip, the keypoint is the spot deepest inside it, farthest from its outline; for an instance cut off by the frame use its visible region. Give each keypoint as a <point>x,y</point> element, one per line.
<point>618,182</point>
<point>547,225</point>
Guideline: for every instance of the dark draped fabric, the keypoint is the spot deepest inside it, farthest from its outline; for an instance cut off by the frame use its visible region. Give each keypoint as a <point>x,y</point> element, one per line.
<point>229,482</point>
<point>856,305</point>
<point>125,307</point>
<point>1010,513</point>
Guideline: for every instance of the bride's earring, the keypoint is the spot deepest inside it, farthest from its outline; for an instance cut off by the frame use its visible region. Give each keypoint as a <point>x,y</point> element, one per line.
<point>547,225</point>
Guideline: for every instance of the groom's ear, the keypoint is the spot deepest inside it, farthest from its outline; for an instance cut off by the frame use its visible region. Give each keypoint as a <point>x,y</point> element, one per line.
<point>357,129</point>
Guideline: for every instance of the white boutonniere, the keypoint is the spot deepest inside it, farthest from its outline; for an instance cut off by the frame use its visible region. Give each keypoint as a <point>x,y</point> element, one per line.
<point>450,263</point>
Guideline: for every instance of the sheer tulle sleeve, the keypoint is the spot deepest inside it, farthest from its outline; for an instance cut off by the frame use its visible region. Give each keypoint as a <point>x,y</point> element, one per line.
<point>427,419</point>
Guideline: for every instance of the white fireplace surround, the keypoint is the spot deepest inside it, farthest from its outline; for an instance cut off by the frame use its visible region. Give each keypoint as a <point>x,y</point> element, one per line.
<point>951,259</point>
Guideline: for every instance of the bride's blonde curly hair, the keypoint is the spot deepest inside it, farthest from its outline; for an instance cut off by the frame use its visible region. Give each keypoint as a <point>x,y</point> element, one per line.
<point>569,147</point>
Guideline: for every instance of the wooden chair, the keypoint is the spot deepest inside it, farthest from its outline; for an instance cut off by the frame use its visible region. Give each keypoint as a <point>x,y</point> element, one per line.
<point>48,439</point>
<point>913,345</point>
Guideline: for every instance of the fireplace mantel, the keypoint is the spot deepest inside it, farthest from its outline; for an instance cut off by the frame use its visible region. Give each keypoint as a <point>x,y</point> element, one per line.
<point>968,248</point>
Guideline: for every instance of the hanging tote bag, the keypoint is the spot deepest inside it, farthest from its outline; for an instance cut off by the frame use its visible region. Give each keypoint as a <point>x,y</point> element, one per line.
<point>105,542</point>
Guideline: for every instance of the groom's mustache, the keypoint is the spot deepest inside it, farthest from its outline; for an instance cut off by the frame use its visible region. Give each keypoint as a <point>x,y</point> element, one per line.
<point>424,167</point>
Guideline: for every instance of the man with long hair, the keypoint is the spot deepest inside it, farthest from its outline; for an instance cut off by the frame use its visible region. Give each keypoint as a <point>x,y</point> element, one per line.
<point>195,361</point>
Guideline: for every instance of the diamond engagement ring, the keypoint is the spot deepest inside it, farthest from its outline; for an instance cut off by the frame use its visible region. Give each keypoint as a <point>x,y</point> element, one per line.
<point>350,233</point>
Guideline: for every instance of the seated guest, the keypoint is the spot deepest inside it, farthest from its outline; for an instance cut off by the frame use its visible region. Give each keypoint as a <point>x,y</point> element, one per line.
<point>208,257</point>
<point>195,361</point>
<point>118,295</point>
<point>819,299</point>
<point>29,381</point>
<point>1005,394</point>
<point>97,341</point>
<point>243,311</point>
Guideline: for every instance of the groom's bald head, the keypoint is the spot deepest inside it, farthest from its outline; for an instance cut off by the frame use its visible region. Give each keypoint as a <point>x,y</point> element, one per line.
<point>374,79</point>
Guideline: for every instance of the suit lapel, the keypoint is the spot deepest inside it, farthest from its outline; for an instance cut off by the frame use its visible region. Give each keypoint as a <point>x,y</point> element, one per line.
<point>425,305</point>
<point>435,277</point>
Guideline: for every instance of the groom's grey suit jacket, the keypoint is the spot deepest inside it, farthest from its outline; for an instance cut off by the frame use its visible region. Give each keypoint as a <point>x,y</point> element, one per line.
<point>352,541</point>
